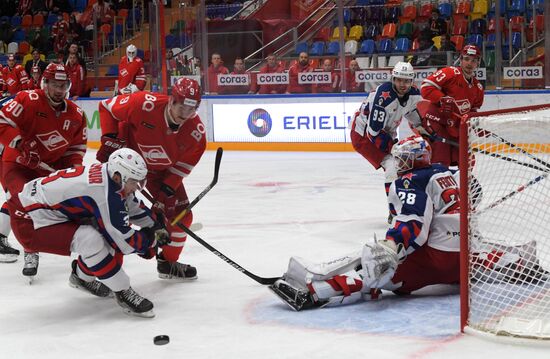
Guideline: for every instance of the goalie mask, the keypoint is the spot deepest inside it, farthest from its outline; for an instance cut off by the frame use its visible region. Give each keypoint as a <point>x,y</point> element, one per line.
<point>130,166</point>
<point>55,83</point>
<point>131,52</point>
<point>411,153</point>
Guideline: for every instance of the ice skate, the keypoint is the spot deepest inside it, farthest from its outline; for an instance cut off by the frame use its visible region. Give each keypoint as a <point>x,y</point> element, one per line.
<point>8,254</point>
<point>175,271</point>
<point>30,269</point>
<point>134,304</point>
<point>94,287</point>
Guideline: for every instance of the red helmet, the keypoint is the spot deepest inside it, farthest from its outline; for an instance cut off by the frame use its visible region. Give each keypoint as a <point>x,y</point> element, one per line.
<point>187,91</point>
<point>55,72</point>
<point>471,50</point>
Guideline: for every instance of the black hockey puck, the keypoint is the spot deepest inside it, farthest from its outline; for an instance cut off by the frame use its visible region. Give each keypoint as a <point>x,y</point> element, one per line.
<point>161,339</point>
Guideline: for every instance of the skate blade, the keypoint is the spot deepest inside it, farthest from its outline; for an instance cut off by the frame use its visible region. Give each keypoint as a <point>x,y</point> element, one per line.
<point>177,279</point>
<point>76,286</point>
<point>283,298</point>
<point>8,258</point>
<point>147,314</point>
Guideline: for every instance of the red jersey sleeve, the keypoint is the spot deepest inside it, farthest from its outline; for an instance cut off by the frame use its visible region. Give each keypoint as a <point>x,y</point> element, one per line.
<point>195,135</point>
<point>112,111</point>
<point>432,86</point>
<point>479,99</point>
<point>11,116</point>
<point>141,79</point>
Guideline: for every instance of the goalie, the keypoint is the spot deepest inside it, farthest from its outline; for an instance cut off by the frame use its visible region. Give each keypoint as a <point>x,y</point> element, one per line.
<point>420,249</point>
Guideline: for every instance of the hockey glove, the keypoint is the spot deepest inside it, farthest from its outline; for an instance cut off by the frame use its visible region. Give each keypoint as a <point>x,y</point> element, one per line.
<point>152,238</point>
<point>166,201</point>
<point>109,144</point>
<point>448,105</point>
<point>29,156</point>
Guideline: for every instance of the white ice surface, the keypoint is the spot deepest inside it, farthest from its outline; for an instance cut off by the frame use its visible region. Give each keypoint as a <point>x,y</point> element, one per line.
<point>265,208</point>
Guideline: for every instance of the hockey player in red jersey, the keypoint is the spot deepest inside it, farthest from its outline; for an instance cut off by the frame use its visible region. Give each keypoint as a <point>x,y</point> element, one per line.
<point>453,92</point>
<point>15,77</point>
<point>131,74</point>
<point>170,136</point>
<point>89,211</point>
<point>40,131</point>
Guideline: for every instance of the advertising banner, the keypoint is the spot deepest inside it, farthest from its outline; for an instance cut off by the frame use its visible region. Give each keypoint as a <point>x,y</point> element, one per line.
<point>233,79</point>
<point>526,72</point>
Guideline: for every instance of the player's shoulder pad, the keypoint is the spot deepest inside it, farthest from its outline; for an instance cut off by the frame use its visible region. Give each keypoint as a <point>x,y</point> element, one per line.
<point>384,94</point>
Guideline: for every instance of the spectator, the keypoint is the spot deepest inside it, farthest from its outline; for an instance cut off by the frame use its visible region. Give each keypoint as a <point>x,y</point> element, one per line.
<point>272,66</point>
<point>40,40</point>
<point>171,64</point>
<point>334,85</point>
<point>77,77</point>
<point>351,84</point>
<point>76,31</point>
<point>238,69</point>
<point>102,10</point>
<point>438,25</point>
<point>6,31</point>
<point>58,6</point>
<point>214,70</point>
<point>131,74</point>
<point>73,49</point>
<point>36,76</point>
<point>35,61</point>
<point>15,77</point>
<point>425,48</point>
<point>25,7</point>
<point>440,59</point>
<point>447,44</point>
<point>301,66</point>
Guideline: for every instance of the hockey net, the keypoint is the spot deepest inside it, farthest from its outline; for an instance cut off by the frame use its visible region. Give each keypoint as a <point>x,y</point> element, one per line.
<point>505,222</point>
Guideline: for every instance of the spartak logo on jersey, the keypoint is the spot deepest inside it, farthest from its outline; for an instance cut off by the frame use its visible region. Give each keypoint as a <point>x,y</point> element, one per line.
<point>154,154</point>
<point>52,140</point>
<point>124,72</point>
<point>463,105</point>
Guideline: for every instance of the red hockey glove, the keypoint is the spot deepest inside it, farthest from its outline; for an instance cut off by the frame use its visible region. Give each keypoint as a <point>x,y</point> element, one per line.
<point>109,144</point>
<point>167,201</point>
<point>29,156</point>
<point>448,105</point>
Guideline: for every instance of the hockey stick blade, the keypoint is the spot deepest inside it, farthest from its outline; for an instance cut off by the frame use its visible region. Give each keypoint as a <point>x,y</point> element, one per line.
<point>217,163</point>
<point>232,263</point>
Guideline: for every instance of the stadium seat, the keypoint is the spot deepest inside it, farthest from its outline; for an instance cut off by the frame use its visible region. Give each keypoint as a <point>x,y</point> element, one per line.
<point>389,30</point>
<point>405,30</point>
<point>386,46</point>
<point>402,44</point>
<point>26,21</point>
<point>336,33</point>
<point>480,7</point>
<point>426,10</point>
<point>51,19</point>
<point>475,39</point>
<point>491,27</point>
<point>15,21</point>
<point>516,40</point>
<point>347,15</point>
<point>301,47</point>
<point>393,13</point>
<point>367,47</point>
<point>502,8</point>
<point>415,45</point>
<point>112,71</point>
<point>170,41</point>
<point>490,42</point>
<point>350,47</point>
<point>458,41</point>
<point>460,27</point>
<point>80,5</point>
<point>517,8</point>
<point>445,10</point>
<point>322,35</point>
<point>517,23</point>
<point>13,48</point>
<point>463,8</point>
<point>317,49</point>
<point>38,20</point>
<point>333,48</point>
<point>356,33</point>
<point>409,12</point>
<point>24,48</point>
<point>18,36</point>
<point>478,26</point>
<point>371,32</point>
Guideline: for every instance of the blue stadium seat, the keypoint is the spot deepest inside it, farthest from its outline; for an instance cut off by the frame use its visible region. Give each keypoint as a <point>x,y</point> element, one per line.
<point>393,14</point>
<point>317,48</point>
<point>347,15</point>
<point>475,39</point>
<point>490,43</point>
<point>18,36</point>
<point>516,40</point>
<point>446,10</point>
<point>493,8</point>
<point>333,48</point>
<point>51,19</point>
<point>386,46</point>
<point>80,5</point>
<point>170,41</point>
<point>301,47</point>
<point>367,47</point>
<point>15,21</point>
<point>112,71</point>
<point>517,8</point>
<point>402,45</point>
<point>5,18</point>
<point>478,26</point>
<point>371,31</point>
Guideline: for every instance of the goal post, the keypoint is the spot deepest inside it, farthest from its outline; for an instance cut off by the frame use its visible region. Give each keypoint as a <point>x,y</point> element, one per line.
<point>505,222</point>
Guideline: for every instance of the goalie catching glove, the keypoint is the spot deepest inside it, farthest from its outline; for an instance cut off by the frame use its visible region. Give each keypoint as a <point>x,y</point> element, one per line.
<point>380,260</point>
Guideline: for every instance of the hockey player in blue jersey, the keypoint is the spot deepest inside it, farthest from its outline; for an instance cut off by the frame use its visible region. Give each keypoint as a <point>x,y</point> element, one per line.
<point>374,127</point>
<point>91,210</point>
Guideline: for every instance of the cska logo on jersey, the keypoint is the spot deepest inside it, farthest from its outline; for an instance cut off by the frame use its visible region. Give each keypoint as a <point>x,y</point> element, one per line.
<point>154,155</point>
<point>52,140</point>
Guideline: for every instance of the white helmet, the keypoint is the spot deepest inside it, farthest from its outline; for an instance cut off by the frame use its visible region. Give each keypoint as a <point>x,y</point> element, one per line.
<point>410,153</point>
<point>131,52</point>
<point>403,70</point>
<point>129,164</point>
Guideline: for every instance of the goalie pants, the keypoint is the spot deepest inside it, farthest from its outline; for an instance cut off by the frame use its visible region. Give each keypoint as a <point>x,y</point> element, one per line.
<point>96,258</point>
<point>171,252</point>
<point>427,266</point>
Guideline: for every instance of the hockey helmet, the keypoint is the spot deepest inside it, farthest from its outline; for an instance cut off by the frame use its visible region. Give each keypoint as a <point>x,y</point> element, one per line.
<point>131,52</point>
<point>411,153</point>
<point>403,70</point>
<point>56,72</point>
<point>471,50</point>
<point>187,91</point>
<point>129,165</point>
